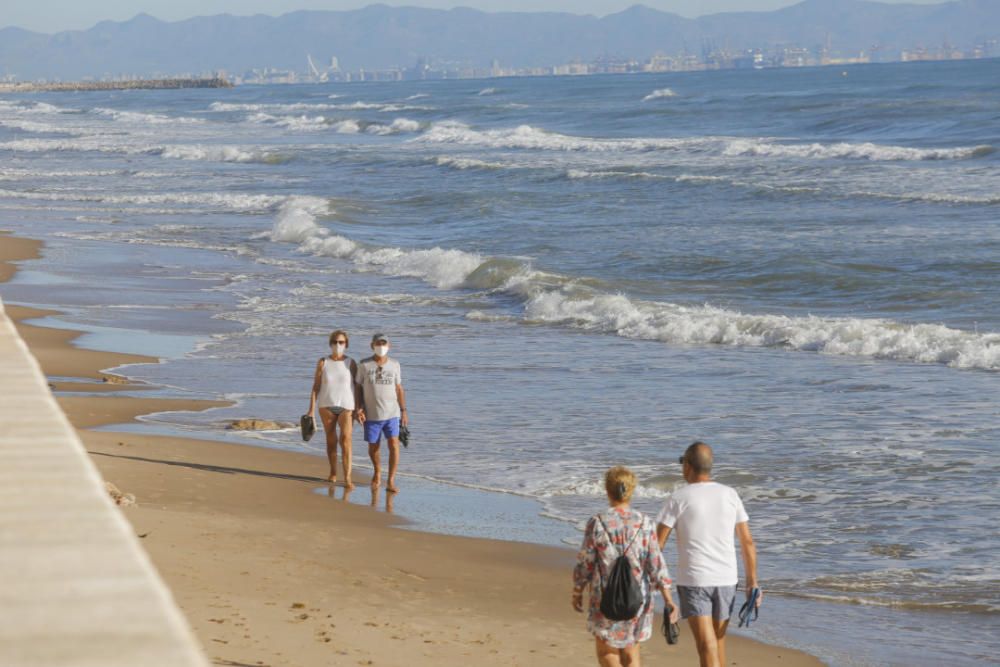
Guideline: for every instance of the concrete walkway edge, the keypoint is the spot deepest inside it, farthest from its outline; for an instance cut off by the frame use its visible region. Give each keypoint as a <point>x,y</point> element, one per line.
<point>76,586</point>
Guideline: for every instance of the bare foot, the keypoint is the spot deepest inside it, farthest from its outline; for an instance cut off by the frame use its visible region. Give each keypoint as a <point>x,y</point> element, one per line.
<point>332,479</point>
<point>375,482</point>
<point>391,488</point>
<point>348,484</point>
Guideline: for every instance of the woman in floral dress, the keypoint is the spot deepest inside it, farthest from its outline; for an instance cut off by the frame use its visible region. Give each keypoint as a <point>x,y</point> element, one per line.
<point>607,535</point>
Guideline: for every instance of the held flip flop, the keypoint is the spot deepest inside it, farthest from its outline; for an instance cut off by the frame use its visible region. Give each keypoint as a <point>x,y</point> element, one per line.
<point>308,426</point>
<point>749,611</point>
<point>671,631</point>
<point>404,436</point>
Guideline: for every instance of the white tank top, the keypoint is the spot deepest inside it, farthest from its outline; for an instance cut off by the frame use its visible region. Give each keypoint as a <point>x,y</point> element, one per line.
<point>336,390</point>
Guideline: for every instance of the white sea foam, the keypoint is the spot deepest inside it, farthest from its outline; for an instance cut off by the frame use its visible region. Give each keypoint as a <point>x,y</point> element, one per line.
<point>346,127</point>
<point>577,174</point>
<point>34,126</point>
<point>934,197</point>
<point>554,299</point>
<point>418,96</point>
<point>113,144</point>
<point>296,223</point>
<point>34,108</point>
<point>659,94</point>
<point>864,151</point>
<point>214,153</point>
<point>247,203</point>
<point>300,122</point>
<point>398,126</point>
<point>595,489</point>
<point>875,338</point>
<point>317,106</point>
<point>487,91</point>
<point>468,163</point>
<point>15,174</point>
<point>146,118</point>
<point>279,108</point>
<point>532,138</point>
<point>374,106</point>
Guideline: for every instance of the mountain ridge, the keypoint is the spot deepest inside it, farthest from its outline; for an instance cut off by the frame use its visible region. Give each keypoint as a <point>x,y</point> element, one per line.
<point>379,36</point>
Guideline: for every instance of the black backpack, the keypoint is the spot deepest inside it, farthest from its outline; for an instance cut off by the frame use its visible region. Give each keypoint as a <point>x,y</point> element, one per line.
<point>621,599</point>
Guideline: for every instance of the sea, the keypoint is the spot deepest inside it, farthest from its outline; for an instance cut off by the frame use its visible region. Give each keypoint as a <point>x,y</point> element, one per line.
<point>800,267</point>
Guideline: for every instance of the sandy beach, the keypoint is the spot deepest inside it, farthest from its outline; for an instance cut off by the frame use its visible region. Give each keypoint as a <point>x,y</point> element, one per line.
<point>270,572</point>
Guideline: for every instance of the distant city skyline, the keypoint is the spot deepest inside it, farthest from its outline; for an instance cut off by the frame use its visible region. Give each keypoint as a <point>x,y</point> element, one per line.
<point>50,16</point>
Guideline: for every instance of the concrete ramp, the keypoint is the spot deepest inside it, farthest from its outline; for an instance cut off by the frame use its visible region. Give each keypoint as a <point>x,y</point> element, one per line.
<point>76,587</point>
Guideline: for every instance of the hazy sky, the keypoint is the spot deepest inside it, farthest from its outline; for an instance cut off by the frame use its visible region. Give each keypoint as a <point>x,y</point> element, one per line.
<point>56,15</point>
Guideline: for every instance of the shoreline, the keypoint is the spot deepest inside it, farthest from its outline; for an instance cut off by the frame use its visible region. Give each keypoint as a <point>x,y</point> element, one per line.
<point>268,571</point>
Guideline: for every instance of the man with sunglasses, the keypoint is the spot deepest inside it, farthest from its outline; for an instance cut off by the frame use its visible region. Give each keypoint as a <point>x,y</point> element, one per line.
<point>706,516</point>
<point>383,406</point>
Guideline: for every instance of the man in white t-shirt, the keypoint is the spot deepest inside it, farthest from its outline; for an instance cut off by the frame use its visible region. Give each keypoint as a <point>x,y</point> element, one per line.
<point>706,515</point>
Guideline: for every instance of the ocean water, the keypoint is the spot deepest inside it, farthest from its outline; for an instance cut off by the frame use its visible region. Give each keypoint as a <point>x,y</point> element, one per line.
<point>800,267</point>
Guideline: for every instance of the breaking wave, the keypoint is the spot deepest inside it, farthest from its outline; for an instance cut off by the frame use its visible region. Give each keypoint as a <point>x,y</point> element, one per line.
<point>216,153</point>
<point>864,151</point>
<point>38,128</point>
<point>34,108</point>
<point>207,152</point>
<point>317,106</point>
<point>529,137</point>
<point>398,126</point>
<point>468,163</point>
<point>303,122</point>
<point>296,223</point>
<point>533,138</point>
<point>578,174</point>
<point>245,203</point>
<point>659,94</point>
<point>147,118</point>
<point>562,300</point>
<point>346,126</point>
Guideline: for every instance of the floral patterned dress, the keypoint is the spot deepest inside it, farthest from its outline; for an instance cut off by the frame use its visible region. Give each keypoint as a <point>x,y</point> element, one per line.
<point>598,553</point>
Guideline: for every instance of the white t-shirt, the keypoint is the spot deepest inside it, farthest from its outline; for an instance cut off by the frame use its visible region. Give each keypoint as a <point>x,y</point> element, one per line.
<point>703,517</point>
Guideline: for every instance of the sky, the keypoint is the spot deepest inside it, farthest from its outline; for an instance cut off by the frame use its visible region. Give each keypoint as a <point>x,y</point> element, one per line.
<point>50,16</point>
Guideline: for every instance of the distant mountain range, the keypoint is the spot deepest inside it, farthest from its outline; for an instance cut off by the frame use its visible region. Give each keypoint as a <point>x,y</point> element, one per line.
<point>380,36</point>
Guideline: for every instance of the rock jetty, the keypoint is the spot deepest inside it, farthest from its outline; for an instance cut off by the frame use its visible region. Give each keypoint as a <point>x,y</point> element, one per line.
<point>139,84</point>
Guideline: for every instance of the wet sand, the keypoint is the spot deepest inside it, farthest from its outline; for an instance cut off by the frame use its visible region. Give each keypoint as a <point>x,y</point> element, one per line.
<point>271,573</point>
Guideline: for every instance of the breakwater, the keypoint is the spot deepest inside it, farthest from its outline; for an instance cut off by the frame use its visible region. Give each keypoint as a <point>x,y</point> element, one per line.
<point>139,84</point>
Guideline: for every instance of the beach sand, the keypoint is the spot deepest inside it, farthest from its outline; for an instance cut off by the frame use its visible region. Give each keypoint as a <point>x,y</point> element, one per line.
<point>269,572</point>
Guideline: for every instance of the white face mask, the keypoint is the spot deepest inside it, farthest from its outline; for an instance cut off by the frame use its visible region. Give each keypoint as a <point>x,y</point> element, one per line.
<point>381,350</point>
<point>338,348</point>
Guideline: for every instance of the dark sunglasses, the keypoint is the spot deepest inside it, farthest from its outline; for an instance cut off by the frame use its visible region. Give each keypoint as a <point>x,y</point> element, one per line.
<point>340,342</point>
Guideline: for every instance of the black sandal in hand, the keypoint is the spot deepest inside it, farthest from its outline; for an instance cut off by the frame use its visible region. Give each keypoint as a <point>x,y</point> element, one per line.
<point>671,631</point>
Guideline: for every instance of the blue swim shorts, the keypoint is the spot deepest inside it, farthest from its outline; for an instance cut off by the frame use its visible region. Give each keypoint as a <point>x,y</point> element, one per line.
<point>714,601</point>
<point>374,430</point>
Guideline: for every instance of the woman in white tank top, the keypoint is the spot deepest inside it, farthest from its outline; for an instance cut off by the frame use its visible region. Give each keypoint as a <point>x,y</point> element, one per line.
<point>333,392</point>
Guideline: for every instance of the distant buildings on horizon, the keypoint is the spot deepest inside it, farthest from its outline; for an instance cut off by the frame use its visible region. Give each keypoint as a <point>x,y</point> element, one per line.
<point>710,59</point>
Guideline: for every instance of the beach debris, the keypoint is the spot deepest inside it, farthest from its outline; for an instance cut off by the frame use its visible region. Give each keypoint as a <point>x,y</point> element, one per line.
<point>142,536</point>
<point>253,424</point>
<point>113,379</point>
<point>298,605</point>
<point>119,498</point>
